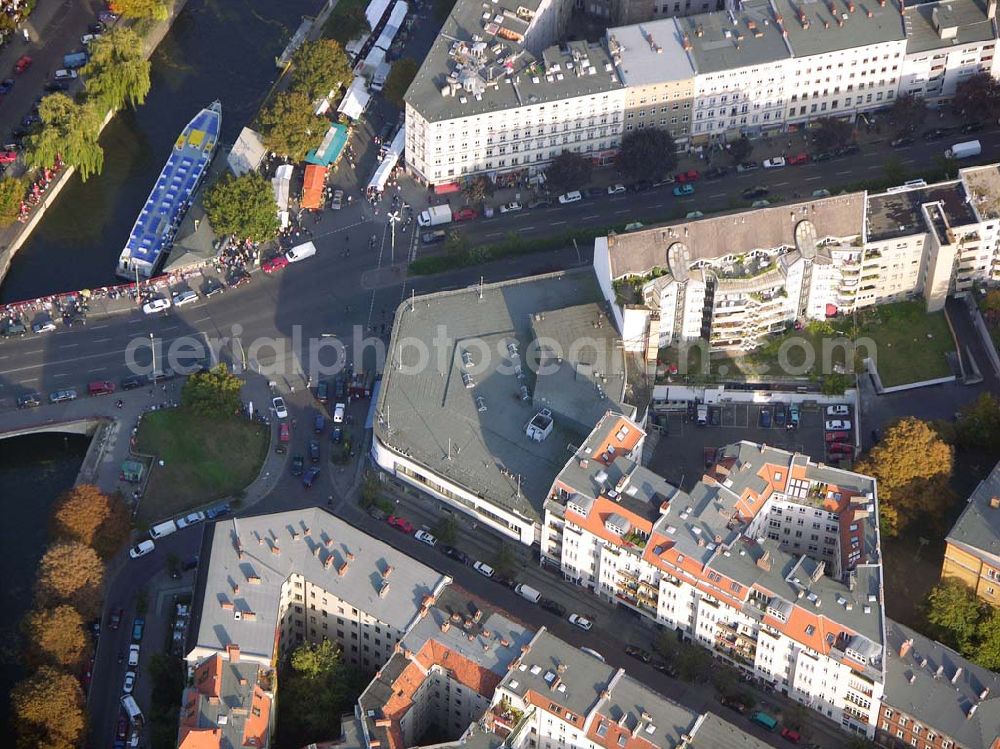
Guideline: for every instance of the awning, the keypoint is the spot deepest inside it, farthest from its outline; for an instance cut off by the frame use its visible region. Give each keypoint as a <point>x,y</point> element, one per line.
<point>330,149</point>
<point>446,188</point>
<point>356,100</point>
<point>392,154</point>
<point>375,10</point>
<point>247,153</point>
<point>392,26</point>
<point>312,188</point>
<point>281,183</point>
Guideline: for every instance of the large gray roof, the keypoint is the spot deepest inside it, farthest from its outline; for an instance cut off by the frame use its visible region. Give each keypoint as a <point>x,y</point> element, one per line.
<point>978,527</point>
<point>306,539</point>
<point>713,733</point>
<point>966,17</point>
<point>421,409</point>
<point>650,53</point>
<point>914,686</point>
<point>828,32</point>
<point>717,43</point>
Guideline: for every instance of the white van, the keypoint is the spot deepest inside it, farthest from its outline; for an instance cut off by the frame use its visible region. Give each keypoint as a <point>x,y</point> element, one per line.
<point>163,529</point>
<point>133,711</point>
<point>300,252</point>
<point>526,591</point>
<point>64,74</point>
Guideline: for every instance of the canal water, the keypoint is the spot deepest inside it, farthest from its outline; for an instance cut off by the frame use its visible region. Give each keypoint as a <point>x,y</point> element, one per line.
<point>34,470</point>
<point>217,49</point>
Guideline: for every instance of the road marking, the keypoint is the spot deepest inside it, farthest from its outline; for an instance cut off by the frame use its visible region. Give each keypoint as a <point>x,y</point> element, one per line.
<point>619,213</point>
<point>841,174</point>
<point>908,161</point>
<point>528,228</point>
<point>587,218</point>
<point>874,166</point>
<point>202,319</point>
<point>781,184</point>
<point>98,327</point>
<point>60,375</point>
<point>494,234</point>
<point>102,340</point>
<point>717,195</point>
<point>70,345</point>
<point>99,369</point>
<point>558,222</point>
<point>812,179</point>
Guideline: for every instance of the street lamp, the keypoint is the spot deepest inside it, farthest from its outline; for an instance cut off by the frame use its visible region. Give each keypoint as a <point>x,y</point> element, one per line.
<point>152,347</point>
<point>394,218</point>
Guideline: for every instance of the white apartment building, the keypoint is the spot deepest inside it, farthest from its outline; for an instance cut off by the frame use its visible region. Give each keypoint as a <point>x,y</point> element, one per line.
<point>946,43</point>
<point>736,278</point>
<point>771,561</point>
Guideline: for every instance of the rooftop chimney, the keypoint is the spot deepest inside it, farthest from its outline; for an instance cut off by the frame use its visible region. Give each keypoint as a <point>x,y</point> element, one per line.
<point>956,675</point>
<point>994,501</point>
<point>764,562</point>
<point>342,569</point>
<point>233,651</point>
<point>905,648</point>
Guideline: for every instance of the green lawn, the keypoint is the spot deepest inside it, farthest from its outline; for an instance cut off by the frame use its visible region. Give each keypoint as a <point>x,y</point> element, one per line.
<point>204,459</point>
<point>911,344</point>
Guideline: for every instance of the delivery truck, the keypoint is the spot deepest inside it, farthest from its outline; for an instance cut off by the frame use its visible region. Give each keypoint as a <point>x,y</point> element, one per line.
<point>964,150</point>
<point>436,215</point>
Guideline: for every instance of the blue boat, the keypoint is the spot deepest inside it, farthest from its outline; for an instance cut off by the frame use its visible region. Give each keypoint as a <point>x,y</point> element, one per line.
<point>154,230</point>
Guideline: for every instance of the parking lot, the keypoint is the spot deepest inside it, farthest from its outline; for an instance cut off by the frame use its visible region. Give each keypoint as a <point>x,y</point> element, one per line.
<point>680,454</point>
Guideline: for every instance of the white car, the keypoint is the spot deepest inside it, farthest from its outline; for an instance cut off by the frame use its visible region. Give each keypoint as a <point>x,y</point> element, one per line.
<point>129,683</point>
<point>338,200</point>
<point>338,413</point>
<point>194,517</point>
<point>141,549</point>
<point>510,207</point>
<point>838,411</point>
<point>133,655</point>
<point>838,425</point>
<point>579,621</point>
<point>425,537</point>
<point>616,189</point>
<point>185,297</point>
<point>775,163</point>
<point>483,569</point>
<point>156,305</point>
<point>278,404</point>
<point>571,197</point>
<point>88,38</point>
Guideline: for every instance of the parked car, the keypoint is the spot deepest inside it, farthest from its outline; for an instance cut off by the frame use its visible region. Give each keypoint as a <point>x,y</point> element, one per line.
<point>425,537</point>
<point>635,651</point>
<point>837,436</point>
<point>141,549</point>
<point>467,213</point>
<point>336,435</point>
<point>133,655</point>
<point>799,158</point>
<point>791,734</point>
<point>129,683</point>
<point>553,607</point>
<point>274,264</point>
<point>132,382</point>
<point>310,477</point>
<point>401,524</point>
<point>616,189</point>
<point>6,86</point>
<point>217,511</point>
<point>579,621</point>
<point>61,396</point>
<point>212,287</point>
<point>156,305</point>
<point>44,326</point>
<point>716,172</point>
<point>755,193</point>
<point>29,400</point>
<point>337,201</point>
<point>511,207</point>
<point>116,618</point>
<point>298,465</point>
<point>905,140</point>
<point>278,404</point>
<point>13,326</point>
<point>838,425</point>
<point>973,127</point>
<point>539,203</point>
<point>483,569</point>
<point>839,448</point>
<point>734,705</point>
<point>190,519</point>
<point>101,387</point>
<point>838,411</point>
<point>452,553</point>
<point>338,413</point>
<point>681,190</point>
<point>765,418</point>
<point>319,423</point>
<point>779,416</point>
<point>775,162</point>
<point>22,64</point>
<point>849,150</point>
<point>314,451</point>
<point>691,175</point>
<point>434,237</point>
<point>572,196</point>
<point>322,391</point>
<point>747,166</point>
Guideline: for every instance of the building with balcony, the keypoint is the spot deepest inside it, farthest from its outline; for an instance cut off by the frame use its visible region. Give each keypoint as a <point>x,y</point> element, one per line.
<point>972,547</point>
<point>770,560</point>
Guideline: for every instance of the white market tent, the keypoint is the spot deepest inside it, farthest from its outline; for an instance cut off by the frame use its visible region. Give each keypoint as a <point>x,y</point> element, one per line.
<point>392,26</point>
<point>381,176</point>
<point>247,153</point>
<point>375,10</point>
<point>282,183</point>
<point>356,99</point>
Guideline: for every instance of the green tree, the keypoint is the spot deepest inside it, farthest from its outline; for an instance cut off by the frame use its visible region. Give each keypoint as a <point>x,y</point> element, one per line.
<point>155,10</point>
<point>987,653</point>
<point>648,153</point>
<point>117,73</point>
<point>317,687</point>
<point>954,611</point>
<point>991,302</point>
<point>913,465</point>
<point>895,171</point>
<point>978,426</point>
<point>569,170</point>
<point>740,150</point>
<point>907,114</point>
<point>977,97</point>
<point>505,561</point>
<point>831,133</point>
<point>69,130</point>
<point>319,68</point>
<point>477,189</point>
<point>400,77</point>
<point>71,572</point>
<point>446,530</point>
<point>213,393</point>
<point>290,127</point>
<point>243,207</point>
<point>47,710</point>
<point>167,677</point>
<point>55,637</point>
<point>11,194</point>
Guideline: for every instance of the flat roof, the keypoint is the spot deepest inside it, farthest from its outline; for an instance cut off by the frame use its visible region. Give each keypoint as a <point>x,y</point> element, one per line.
<point>467,423</point>
<point>723,41</point>
<point>813,29</point>
<point>481,50</point>
<point>978,527</point>
<point>983,186</point>
<point>650,53</point>
<point>899,214</point>
<point>967,19</point>
<point>713,732</point>
<point>249,559</point>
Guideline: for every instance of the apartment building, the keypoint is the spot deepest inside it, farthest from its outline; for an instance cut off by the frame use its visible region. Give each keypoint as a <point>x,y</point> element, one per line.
<point>228,703</point>
<point>946,42</point>
<point>485,386</point>
<point>268,583</point>
<point>734,279</point>
<point>934,698</point>
<point>771,561</point>
<point>972,547</point>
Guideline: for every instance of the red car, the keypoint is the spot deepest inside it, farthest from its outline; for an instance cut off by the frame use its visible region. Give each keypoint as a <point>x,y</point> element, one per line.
<point>837,436</point>
<point>8,157</point>
<point>22,64</point>
<point>799,158</point>
<point>274,264</point>
<point>400,523</point>
<point>791,735</point>
<point>465,214</point>
<point>122,729</point>
<point>839,448</point>
<point>689,176</point>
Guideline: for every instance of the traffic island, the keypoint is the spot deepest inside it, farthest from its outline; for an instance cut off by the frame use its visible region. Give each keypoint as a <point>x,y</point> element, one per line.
<point>196,459</point>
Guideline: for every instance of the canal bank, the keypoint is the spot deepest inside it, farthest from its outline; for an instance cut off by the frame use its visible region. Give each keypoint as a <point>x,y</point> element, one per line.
<point>198,59</point>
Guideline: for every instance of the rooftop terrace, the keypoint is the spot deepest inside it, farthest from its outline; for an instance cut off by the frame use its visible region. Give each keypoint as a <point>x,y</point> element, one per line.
<point>898,213</point>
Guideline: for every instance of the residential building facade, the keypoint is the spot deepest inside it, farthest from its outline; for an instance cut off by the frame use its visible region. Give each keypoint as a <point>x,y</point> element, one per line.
<point>972,547</point>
